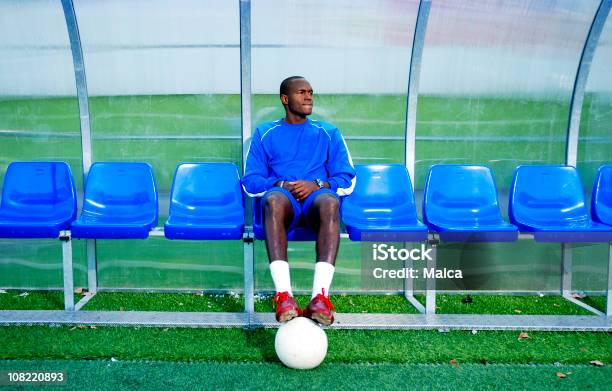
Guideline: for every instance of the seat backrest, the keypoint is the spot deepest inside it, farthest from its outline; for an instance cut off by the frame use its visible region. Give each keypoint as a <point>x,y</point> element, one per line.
<point>39,189</point>
<point>124,189</point>
<point>460,194</point>
<point>382,189</point>
<point>601,200</point>
<point>209,190</point>
<point>547,195</point>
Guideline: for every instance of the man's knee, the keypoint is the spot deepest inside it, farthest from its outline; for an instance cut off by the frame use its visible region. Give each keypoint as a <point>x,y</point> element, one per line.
<point>276,203</point>
<point>328,207</point>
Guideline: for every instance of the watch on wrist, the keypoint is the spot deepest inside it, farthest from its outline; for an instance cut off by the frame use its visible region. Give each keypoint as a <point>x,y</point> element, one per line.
<point>319,183</point>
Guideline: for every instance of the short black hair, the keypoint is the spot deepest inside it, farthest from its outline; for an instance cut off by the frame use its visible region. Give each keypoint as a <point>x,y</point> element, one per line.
<point>284,87</point>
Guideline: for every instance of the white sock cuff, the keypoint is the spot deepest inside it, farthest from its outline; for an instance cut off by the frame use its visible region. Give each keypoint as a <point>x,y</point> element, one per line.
<point>323,276</point>
<point>279,270</point>
<point>325,266</point>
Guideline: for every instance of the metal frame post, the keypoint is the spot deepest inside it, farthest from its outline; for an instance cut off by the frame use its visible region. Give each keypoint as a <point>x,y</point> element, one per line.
<point>409,284</point>
<point>92,267</point>
<point>245,76</point>
<point>249,274</point>
<point>430,291</point>
<point>245,111</point>
<point>582,74</point>
<point>566,269</point>
<point>82,97</point>
<point>573,130</point>
<point>418,42</point>
<point>67,270</point>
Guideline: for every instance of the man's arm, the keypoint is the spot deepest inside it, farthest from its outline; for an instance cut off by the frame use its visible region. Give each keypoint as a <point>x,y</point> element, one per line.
<point>340,166</point>
<point>256,180</point>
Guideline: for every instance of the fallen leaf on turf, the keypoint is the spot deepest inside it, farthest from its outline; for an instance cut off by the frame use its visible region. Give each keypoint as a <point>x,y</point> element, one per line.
<point>523,336</point>
<point>454,362</point>
<point>578,295</point>
<point>82,327</point>
<point>121,308</point>
<point>474,331</point>
<point>73,328</point>
<point>92,327</point>
<point>582,350</point>
<point>24,294</point>
<point>518,311</point>
<point>557,305</point>
<point>561,375</point>
<point>78,290</point>
<point>351,302</point>
<point>597,363</point>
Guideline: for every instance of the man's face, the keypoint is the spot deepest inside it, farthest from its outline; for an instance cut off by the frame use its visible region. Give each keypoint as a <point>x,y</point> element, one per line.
<point>299,98</point>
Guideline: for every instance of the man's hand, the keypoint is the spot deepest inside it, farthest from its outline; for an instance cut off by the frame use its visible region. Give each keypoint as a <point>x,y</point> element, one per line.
<point>285,185</point>
<point>301,189</point>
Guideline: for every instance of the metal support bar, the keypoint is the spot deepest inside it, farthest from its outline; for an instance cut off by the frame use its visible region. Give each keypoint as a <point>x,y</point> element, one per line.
<point>430,283</point>
<point>84,300</point>
<point>566,269</point>
<point>67,270</point>
<point>414,74</point>
<point>343,321</point>
<point>249,275</point>
<point>409,285</point>
<point>582,74</point>
<point>566,279</point>
<point>92,268</point>
<point>582,304</point>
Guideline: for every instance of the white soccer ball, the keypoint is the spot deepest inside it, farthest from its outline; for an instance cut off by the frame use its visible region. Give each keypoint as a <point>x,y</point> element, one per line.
<point>301,344</point>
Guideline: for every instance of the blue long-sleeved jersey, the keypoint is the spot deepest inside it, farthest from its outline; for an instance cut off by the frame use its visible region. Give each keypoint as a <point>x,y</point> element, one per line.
<point>308,151</point>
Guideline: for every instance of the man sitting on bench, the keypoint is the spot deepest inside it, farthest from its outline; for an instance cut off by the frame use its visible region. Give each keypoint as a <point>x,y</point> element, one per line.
<point>301,167</point>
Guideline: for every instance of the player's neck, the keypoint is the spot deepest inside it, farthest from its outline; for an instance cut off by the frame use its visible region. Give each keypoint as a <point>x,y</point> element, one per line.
<point>294,119</point>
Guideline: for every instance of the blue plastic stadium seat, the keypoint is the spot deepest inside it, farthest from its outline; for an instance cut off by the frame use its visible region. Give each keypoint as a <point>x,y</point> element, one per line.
<point>38,200</point>
<point>120,202</point>
<point>382,207</point>
<point>299,233</point>
<point>549,201</point>
<point>206,203</point>
<point>601,200</point>
<point>460,203</point>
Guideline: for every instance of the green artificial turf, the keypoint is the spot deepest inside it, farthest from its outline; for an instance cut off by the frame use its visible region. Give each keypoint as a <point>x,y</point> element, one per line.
<point>345,346</point>
<point>187,302</point>
<point>108,375</point>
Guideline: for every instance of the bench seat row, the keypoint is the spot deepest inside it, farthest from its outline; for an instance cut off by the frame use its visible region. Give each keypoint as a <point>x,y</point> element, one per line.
<point>460,203</point>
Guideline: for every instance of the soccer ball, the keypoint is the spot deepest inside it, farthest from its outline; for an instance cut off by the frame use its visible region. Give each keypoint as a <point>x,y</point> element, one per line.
<point>301,344</point>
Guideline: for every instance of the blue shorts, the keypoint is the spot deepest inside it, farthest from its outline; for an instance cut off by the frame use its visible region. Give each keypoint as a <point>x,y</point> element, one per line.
<point>300,209</point>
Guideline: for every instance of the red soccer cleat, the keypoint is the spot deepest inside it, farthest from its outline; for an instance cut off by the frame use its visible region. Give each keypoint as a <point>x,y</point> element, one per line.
<point>286,307</point>
<point>320,309</point>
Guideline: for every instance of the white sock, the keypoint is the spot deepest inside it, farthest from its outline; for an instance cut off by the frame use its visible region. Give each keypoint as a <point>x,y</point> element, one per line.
<point>324,273</point>
<point>280,275</point>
